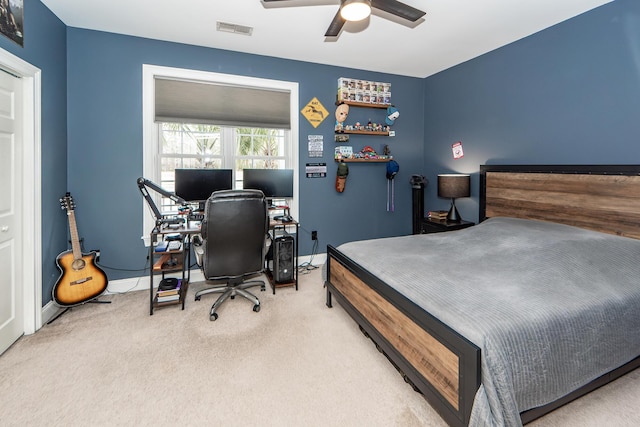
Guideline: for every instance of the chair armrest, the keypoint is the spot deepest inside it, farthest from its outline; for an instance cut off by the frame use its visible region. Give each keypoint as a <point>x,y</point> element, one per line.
<point>198,251</point>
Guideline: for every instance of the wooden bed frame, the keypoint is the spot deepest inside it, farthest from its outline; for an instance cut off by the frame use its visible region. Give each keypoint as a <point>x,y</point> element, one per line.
<point>437,361</point>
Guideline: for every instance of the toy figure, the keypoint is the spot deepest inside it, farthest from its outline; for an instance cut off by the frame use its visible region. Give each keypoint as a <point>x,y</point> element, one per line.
<point>341,176</point>
<point>342,111</point>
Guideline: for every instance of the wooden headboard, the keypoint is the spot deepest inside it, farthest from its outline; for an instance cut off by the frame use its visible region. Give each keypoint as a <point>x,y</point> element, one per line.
<point>604,198</point>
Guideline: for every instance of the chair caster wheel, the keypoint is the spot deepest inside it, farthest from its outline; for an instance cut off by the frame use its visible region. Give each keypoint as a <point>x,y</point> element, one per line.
<point>256,308</point>
<point>213,316</point>
<point>197,298</point>
<point>232,297</point>
<point>263,288</point>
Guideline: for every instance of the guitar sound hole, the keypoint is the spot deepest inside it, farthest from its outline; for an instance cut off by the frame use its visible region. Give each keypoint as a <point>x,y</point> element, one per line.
<point>78,264</point>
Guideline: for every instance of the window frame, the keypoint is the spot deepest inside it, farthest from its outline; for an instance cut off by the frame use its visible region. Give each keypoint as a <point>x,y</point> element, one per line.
<point>228,157</point>
<point>151,133</point>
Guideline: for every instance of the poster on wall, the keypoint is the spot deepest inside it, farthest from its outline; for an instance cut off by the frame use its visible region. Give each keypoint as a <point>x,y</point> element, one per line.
<point>316,144</point>
<point>12,20</point>
<point>314,112</point>
<point>457,150</point>
<point>316,170</point>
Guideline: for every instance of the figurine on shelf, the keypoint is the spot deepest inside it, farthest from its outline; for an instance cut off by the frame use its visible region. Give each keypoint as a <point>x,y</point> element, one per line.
<point>342,111</point>
<point>368,153</point>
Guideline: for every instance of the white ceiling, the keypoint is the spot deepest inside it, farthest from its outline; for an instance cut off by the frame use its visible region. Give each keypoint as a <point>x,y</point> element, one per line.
<point>452,31</point>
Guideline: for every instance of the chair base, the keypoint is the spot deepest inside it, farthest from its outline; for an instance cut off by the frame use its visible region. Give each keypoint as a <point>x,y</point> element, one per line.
<point>231,290</point>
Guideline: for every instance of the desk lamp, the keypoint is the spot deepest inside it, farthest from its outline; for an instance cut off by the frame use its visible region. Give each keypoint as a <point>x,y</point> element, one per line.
<point>453,185</point>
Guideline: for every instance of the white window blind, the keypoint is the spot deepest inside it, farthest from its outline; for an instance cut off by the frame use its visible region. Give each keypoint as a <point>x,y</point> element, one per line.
<point>222,104</point>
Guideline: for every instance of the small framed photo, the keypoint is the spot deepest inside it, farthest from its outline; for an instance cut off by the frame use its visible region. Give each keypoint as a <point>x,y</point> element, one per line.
<point>12,20</point>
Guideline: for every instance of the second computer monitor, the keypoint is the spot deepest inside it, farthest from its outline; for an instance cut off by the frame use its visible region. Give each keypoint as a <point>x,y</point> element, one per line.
<point>274,183</point>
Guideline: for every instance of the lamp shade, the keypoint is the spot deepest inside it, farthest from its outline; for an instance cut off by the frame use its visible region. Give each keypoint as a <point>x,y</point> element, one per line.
<point>454,185</point>
<point>355,10</point>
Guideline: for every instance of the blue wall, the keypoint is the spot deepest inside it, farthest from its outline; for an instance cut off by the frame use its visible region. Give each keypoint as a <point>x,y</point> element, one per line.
<point>105,143</point>
<point>567,95</point>
<point>45,47</point>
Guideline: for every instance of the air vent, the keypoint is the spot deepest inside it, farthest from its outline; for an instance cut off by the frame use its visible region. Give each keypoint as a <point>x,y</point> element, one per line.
<point>234,28</point>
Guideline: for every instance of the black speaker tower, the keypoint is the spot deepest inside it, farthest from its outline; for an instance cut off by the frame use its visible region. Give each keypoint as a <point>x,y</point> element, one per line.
<point>418,182</point>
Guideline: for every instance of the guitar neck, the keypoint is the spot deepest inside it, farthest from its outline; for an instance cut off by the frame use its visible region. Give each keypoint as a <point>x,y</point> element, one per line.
<point>73,230</point>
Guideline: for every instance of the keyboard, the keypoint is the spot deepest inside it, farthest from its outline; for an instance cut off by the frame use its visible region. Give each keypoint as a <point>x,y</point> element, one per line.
<point>174,245</point>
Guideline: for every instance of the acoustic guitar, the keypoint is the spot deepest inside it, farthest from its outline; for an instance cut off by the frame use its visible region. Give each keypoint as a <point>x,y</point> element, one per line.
<point>81,279</point>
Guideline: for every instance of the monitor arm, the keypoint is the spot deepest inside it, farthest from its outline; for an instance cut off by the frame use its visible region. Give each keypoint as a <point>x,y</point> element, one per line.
<point>143,183</point>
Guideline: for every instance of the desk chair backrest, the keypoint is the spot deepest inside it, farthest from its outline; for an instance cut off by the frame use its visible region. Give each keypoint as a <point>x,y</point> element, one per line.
<point>234,229</point>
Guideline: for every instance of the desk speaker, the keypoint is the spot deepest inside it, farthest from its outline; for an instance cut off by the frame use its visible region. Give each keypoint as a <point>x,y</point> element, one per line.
<point>283,247</point>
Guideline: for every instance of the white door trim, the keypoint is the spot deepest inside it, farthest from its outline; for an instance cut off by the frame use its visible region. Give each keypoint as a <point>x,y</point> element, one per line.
<point>31,257</point>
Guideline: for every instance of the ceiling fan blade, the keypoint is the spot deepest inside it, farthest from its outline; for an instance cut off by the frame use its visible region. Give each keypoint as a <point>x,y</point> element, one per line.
<point>397,8</point>
<point>336,26</point>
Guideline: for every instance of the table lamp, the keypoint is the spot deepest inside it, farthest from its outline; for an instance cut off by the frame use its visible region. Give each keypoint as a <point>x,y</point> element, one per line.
<point>454,185</point>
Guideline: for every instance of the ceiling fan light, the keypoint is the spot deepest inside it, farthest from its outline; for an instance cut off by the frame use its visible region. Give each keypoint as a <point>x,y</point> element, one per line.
<point>355,10</point>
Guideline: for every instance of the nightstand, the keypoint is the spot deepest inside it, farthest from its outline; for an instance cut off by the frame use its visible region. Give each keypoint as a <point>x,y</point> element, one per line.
<point>436,226</point>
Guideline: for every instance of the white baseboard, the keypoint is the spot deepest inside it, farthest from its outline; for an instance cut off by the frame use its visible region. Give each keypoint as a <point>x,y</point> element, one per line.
<point>318,259</point>
<point>50,310</point>
<point>142,283</point>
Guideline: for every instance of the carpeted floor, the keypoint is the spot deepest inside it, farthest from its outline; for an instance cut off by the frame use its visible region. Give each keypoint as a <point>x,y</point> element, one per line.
<point>295,363</point>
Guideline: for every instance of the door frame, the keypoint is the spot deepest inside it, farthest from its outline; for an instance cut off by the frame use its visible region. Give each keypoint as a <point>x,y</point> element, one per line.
<point>31,235</point>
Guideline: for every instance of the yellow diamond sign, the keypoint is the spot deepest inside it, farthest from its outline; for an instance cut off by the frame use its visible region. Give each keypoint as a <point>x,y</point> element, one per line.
<point>314,112</point>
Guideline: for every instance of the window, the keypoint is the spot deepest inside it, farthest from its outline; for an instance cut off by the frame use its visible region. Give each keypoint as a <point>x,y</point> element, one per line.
<point>187,145</point>
<point>223,141</point>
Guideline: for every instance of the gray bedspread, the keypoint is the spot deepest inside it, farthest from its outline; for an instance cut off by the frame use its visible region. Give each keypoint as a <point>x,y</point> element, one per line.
<point>552,307</point>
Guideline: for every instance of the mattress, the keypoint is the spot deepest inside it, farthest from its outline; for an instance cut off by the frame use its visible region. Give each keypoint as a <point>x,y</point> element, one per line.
<point>552,307</point>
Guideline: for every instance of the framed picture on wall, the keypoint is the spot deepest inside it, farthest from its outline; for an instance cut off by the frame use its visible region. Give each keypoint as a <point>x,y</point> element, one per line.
<point>12,20</point>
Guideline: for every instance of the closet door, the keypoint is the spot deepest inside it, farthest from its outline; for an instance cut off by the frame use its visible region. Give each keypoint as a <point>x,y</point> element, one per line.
<point>11,149</point>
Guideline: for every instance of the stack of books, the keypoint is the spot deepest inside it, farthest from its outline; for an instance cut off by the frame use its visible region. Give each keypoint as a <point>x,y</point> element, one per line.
<point>437,215</point>
<point>167,295</point>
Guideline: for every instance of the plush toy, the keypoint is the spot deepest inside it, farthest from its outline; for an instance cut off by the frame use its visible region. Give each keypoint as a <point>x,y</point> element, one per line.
<point>341,177</point>
<point>342,111</point>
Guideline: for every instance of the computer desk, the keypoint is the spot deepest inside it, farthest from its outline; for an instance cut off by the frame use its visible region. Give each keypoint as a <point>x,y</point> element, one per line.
<point>278,229</point>
<point>182,257</point>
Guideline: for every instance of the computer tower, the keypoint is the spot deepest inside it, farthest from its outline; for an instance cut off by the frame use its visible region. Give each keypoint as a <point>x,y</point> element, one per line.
<point>283,248</point>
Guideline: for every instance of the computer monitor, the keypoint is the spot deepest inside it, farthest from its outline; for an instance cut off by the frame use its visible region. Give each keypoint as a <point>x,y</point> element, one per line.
<point>196,185</point>
<point>274,183</point>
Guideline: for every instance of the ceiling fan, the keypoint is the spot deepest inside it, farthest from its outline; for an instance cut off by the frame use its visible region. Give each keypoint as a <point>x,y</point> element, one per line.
<point>356,10</point>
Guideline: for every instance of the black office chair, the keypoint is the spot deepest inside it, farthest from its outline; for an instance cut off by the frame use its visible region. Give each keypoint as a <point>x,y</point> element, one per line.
<point>234,232</point>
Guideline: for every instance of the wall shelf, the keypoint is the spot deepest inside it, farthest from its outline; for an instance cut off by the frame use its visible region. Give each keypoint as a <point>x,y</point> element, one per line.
<point>363,160</point>
<point>362,132</point>
<point>343,131</point>
<point>363,104</point>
